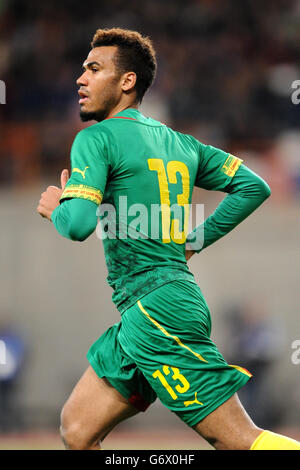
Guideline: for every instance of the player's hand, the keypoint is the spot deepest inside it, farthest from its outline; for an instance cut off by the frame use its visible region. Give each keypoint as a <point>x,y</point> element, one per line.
<point>189,254</point>
<point>50,198</point>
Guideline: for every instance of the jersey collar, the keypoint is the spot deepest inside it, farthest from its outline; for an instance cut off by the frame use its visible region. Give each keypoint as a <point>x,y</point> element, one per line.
<point>129,113</point>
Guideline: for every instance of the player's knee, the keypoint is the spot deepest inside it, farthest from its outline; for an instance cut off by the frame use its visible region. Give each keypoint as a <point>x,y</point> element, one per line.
<point>73,434</point>
<point>74,439</point>
<point>70,430</point>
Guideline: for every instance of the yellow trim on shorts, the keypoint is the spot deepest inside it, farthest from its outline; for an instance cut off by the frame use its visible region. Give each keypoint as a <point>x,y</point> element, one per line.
<point>241,369</point>
<point>165,332</point>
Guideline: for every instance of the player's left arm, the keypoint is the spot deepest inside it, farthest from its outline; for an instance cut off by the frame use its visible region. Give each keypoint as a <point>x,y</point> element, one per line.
<point>246,192</point>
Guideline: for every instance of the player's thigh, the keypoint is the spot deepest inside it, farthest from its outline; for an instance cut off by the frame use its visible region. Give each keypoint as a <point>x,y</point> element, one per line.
<point>93,409</point>
<point>229,427</point>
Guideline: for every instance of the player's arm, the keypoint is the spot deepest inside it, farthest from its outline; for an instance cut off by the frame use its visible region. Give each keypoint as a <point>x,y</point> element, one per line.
<point>246,192</point>
<point>74,216</point>
<point>75,219</point>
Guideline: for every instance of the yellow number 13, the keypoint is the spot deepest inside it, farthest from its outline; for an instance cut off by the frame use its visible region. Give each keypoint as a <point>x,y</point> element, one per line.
<point>171,231</point>
<point>176,376</point>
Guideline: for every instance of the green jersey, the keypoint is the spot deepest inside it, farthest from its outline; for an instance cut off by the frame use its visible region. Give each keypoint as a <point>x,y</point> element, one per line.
<point>143,173</point>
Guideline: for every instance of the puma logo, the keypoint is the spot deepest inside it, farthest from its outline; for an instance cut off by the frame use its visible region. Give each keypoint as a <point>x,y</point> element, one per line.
<point>187,403</point>
<point>82,172</point>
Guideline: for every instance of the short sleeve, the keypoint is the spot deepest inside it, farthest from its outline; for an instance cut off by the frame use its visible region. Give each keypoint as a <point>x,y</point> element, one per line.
<point>89,167</point>
<point>216,168</point>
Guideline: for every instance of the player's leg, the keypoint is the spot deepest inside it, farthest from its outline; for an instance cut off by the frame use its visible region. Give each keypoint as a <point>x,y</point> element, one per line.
<point>92,411</point>
<point>230,428</point>
<point>167,335</point>
<point>111,390</point>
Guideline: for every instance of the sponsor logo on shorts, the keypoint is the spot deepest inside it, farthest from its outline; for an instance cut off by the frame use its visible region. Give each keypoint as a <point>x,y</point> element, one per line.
<point>196,401</point>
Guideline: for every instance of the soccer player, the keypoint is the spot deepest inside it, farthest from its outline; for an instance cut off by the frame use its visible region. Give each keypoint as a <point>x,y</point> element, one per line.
<point>128,164</point>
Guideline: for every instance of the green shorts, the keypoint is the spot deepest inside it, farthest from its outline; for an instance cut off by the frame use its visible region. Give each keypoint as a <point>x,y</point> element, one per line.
<point>162,348</point>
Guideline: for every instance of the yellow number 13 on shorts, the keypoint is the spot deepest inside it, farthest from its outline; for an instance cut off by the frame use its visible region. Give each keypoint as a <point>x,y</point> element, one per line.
<point>176,376</point>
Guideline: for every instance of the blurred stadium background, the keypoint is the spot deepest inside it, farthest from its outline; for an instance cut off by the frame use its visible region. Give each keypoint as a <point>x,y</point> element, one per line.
<point>225,74</point>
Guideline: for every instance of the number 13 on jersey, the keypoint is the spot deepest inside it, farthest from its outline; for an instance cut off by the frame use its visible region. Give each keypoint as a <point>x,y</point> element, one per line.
<point>171,230</point>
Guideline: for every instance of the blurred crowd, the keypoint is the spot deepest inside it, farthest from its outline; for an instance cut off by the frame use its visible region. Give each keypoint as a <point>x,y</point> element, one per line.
<point>225,74</point>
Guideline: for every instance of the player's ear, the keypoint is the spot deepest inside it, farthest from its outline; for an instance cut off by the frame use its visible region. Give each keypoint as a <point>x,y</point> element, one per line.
<point>128,81</point>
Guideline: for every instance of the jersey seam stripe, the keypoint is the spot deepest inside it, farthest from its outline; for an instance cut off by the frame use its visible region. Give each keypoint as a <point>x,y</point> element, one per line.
<point>166,333</point>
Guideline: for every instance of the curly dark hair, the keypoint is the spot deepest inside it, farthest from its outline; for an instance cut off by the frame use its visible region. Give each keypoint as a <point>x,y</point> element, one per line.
<point>135,54</point>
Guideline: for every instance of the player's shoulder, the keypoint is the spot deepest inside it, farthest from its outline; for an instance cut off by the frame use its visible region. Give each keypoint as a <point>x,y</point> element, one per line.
<point>97,129</point>
<point>94,132</point>
<point>189,140</point>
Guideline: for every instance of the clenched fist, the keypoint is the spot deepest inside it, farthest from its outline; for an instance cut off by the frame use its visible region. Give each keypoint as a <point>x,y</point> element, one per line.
<point>50,198</point>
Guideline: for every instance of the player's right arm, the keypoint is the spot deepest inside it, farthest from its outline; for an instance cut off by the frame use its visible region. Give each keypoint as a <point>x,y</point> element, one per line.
<point>75,218</point>
<point>246,192</point>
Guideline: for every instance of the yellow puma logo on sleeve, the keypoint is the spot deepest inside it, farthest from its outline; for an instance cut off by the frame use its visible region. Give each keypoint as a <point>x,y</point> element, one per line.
<point>187,403</point>
<point>82,172</point>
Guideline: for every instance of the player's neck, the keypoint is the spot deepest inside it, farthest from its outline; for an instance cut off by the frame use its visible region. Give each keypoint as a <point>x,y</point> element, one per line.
<point>122,107</point>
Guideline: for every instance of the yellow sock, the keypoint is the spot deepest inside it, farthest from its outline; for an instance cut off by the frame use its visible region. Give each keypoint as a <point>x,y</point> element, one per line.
<point>268,440</point>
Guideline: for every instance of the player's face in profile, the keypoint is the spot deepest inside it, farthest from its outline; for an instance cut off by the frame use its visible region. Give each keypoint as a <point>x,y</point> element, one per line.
<point>99,85</point>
